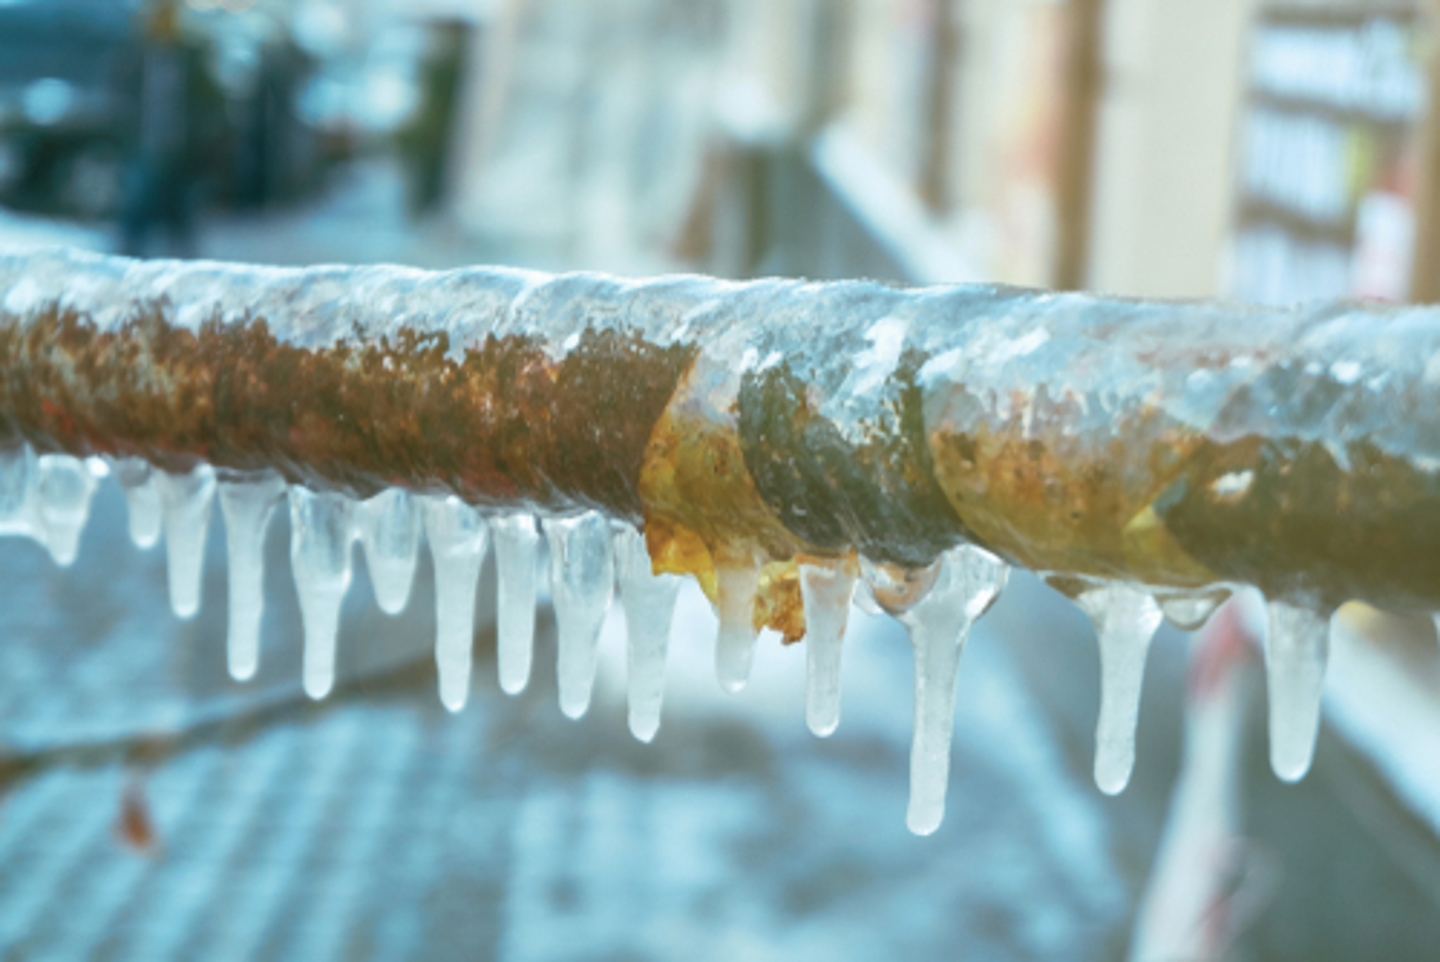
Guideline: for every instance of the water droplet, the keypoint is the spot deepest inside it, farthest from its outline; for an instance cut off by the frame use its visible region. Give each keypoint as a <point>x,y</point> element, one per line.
<point>1189,610</point>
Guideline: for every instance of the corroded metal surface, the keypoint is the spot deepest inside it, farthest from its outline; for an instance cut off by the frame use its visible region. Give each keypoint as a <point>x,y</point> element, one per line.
<point>1167,444</point>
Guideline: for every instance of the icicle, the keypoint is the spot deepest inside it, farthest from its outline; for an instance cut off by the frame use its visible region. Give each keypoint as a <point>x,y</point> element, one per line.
<point>17,480</point>
<point>458,538</point>
<point>965,581</point>
<point>516,543</point>
<point>649,601</point>
<point>1436,618</point>
<point>735,642</point>
<point>1296,648</point>
<point>320,536</point>
<point>142,499</point>
<point>826,591</point>
<point>582,579</point>
<point>65,489</point>
<point>389,529</point>
<point>1125,620</point>
<point>247,506</point>
<point>185,501</point>
<point>1189,610</point>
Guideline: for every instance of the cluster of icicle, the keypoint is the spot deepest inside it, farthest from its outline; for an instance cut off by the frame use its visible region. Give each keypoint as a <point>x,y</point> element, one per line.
<point>47,498</point>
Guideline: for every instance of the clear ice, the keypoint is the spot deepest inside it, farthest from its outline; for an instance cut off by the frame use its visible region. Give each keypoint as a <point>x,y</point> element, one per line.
<point>247,505</point>
<point>142,499</point>
<point>516,548</point>
<point>967,579</point>
<point>458,537</point>
<point>736,586</point>
<point>826,591</point>
<point>389,529</point>
<point>582,580</point>
<point>1189,610</point>
<point>1297,645</point>
<point>320,536</point>
<point>649,602</point>
<point>185,501</point>
<point>1125,619</point>
<point>66,486</point>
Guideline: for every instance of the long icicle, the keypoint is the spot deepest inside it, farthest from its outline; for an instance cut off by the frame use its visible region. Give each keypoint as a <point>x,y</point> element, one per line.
<point>649,602</point>
<point>320,543</point>
<point>582,581</point>
<point>1297,646</point>
<point>1125,620</point>
<point>247,504</point>
<point>826,592</point>
<point>517,545</point>
<point>458,537</point>
<point>185,503</point>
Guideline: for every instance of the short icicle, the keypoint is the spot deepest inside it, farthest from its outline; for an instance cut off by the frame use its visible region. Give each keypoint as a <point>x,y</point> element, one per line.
<point>736,586</point>
<point>389,528</point>
<point>1125,619</point>
<point>185,502</point>
<point>1297,645</point>
<point>582,581</point>
<point>320,537</point>
<point>826,591</point>
<point>968,580</point>
<point>18,471</point>
<point>66,486</point>
<point>649,602</point>
<point>516,549</point>
<point>142,499</point>
<point>247,504</point>
<point>458,537</point>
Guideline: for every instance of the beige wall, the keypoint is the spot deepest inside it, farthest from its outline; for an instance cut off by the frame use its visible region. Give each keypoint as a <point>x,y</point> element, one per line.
<point>1165,146</point>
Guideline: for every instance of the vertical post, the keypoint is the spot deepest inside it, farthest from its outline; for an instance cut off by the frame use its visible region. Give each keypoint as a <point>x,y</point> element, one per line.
<point>1083,81</point>
<point>939,108</point>
<point>1425,265</point>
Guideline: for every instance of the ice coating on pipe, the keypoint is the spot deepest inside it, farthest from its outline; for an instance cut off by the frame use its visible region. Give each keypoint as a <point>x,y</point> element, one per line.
<point>185,503</point>
<point>389,529</point>
<point>582,581</point>
<point>964,583</point>
<point>826,592</point>
<point>66,486</point>
<point>517,545</point>
<point>1297,646</point>
<point>649,603</point>
<point>142,500</point>
<point>459,537</point>
<point>1125,619</point>
<point>247,504</point>
<point>320,537</point>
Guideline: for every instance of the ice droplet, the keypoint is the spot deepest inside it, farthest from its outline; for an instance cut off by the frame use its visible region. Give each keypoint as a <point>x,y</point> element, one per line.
<point>185,501</point>
<point>1125,619</point>
<point>1189,610</point>
<point>736,585</point>
<point>1297,645</point>
<point>247,506</point>
<point>516,548</point>
<point>458,537</point>
<point>142,500</point>
<point>65,489</point>
<point>320,536</point>
<point>389,527</point>
<point>966,580</point>
<point>649,601</point>
<point>582,580</point>
<point>826,591</point>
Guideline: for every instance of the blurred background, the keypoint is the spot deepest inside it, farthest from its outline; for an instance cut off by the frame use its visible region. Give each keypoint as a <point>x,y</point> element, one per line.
<point>1263,150</point>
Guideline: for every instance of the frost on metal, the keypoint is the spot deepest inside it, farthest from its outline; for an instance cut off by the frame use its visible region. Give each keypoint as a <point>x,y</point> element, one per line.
<point>780,441</point>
